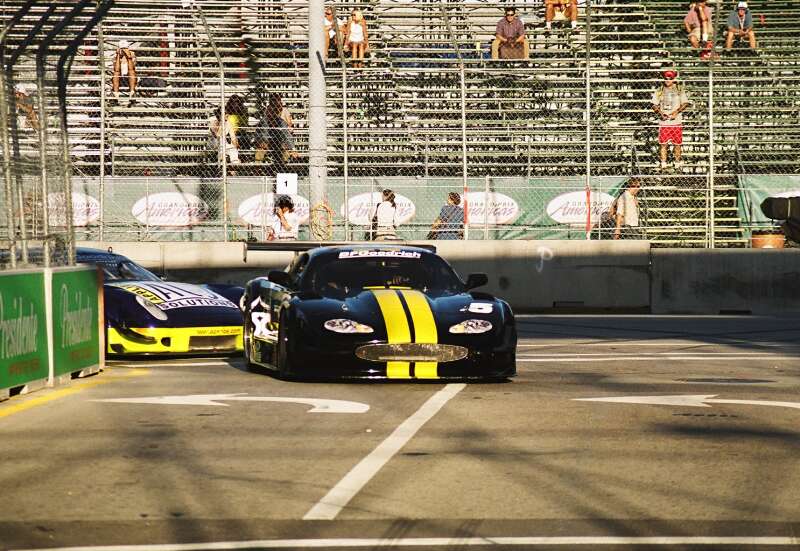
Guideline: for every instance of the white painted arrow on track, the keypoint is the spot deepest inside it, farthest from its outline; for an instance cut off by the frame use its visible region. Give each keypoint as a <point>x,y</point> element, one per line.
<point>692,400</point>
<point>319,405</point>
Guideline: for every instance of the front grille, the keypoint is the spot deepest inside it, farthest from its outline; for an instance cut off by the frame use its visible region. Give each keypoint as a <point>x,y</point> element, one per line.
<point>216,342</point>
<point>411,352</point>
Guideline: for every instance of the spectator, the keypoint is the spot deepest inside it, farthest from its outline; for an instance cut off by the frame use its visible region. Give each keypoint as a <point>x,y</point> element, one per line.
<point>124,65</point>
<point>236,116</point>
<point>509,42</point>
<point>384,218</point>
<point>740,25</point>
<point>561,10</point>
<point>356,38</point>
<point>275,134</point>
<point>669,100</point>
<point>450,222</point>
<point>627,213</point>
<point>330,30</point>
<point>284,221</point>
<point>27,119</point>
<point>698,24</point>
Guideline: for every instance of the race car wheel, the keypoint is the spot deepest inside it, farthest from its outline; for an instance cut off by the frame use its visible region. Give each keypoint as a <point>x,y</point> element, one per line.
<point>282,356</point>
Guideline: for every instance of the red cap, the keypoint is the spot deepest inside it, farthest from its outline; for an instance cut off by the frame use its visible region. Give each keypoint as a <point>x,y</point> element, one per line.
<point>670,73</point>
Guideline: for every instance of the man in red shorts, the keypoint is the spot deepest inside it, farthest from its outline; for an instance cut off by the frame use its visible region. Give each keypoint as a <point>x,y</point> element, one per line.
<point>669,100</point>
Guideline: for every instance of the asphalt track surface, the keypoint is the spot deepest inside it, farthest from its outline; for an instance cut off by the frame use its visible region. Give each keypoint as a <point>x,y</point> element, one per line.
<point>524,464</point>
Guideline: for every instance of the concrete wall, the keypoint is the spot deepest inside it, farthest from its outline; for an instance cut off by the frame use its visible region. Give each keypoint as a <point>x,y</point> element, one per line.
<point>618,276</point>
<point>698,281</point>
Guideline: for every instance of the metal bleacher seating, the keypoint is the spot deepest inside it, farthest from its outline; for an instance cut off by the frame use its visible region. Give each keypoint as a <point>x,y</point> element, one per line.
<point>404,107</point>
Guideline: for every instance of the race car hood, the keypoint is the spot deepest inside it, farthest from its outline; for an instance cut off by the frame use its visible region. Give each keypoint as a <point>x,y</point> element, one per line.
<point>387,309</point>
<point>183,304</point>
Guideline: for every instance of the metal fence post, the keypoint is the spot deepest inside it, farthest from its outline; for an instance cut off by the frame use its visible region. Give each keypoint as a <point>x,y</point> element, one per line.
<point>588,116</point>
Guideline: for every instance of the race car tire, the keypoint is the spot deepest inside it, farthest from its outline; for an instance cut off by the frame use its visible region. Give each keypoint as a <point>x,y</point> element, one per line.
<point>283,360</point>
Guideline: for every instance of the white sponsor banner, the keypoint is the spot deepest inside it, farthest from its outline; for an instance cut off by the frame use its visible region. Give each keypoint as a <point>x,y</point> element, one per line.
<point>170,209</point>
<point>258,209</point>
<point>570,208</point>
<point>502,208</point>
<point>361,207</point>
<point>85,209</point>
<point>795,193</point>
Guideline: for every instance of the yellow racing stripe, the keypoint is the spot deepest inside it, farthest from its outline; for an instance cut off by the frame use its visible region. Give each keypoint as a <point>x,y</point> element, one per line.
<point>397,329</point>
<point>424,331</point>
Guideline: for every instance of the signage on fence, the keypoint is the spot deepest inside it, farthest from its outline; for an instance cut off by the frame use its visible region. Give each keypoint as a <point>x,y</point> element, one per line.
<point>85,209</point>
<point>23,329</point>
<point>286,183</point>
<point>571,208</point>
<point>502,208</point>
<point>757,187</point>
<point>170,209</point>
<point>257,210</point>
<point>361,207</point>
<point>76,321</point>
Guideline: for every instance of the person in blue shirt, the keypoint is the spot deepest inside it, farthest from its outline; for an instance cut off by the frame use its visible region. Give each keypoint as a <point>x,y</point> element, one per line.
<point>740,25</point>
<point>450,222</point>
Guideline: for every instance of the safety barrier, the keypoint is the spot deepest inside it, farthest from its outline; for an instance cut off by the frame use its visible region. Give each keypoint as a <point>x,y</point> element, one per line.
<point>613,276</point>
<point>51,327</point>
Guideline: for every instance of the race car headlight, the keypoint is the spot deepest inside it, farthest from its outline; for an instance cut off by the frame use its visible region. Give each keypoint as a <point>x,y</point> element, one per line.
<point>151,308</point>
<point>347,326</point>
<point>471,327</point>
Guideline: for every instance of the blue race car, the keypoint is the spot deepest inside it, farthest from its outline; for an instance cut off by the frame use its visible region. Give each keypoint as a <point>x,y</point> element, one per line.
<point>146,315</point>
<point>377,312</point>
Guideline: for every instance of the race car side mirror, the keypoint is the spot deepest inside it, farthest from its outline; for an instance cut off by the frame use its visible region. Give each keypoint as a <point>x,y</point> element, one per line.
<point>476,280</point>
<point>279,276</point>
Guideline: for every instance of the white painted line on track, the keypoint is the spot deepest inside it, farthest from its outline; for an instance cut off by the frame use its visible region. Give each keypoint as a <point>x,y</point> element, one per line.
<point>340,495</point>
<point>655,354</point>
<point>662,343</point>
<point>448,542</point>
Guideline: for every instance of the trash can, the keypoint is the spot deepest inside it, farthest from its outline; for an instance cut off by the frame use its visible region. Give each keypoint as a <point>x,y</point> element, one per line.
<point>767,239</point>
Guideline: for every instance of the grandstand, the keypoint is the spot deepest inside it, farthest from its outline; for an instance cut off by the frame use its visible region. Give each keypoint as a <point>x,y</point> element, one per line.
<point>524,119</point>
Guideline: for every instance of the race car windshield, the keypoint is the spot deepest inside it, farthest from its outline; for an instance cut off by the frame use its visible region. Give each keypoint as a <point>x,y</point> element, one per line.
<point>126,270</point>
<point>342,277</point>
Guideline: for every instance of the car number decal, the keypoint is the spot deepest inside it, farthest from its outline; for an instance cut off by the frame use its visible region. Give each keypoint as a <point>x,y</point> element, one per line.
<point>261,321</point>
<point>480,308</point>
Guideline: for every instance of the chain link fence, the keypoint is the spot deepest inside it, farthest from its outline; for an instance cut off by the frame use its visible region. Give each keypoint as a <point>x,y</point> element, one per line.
<point>187,119</point>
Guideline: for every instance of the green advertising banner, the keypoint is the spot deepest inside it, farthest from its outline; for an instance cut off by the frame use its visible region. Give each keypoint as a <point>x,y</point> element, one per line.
<point>76,322</point>
<point>23,328</point>
<point>757,187</point>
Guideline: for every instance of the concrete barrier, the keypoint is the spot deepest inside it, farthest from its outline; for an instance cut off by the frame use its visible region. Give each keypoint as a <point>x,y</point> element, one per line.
<point>531,275</point>
<point>701,281</point>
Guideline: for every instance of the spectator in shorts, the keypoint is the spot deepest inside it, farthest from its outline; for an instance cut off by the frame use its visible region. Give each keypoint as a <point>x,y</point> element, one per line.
<point>740,26</point>
<point>27,119</point>
<point>236,116</point>
<point>509,42</point>
<point>561,10</point>
<point>627,213</point>
<point>330,30</point>
<point>356,38</point>
<point>450,222</point>
<point>698,25</point>
<point>124,65</point>
<point>669,100</point>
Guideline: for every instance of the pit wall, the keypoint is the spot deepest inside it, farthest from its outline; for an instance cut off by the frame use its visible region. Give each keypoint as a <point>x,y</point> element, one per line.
<point>51,327</point>
<point>550,275</point>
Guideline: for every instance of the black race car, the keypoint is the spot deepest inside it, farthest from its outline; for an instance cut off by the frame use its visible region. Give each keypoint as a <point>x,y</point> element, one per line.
<point>377,312</point>
<point>146,315</point>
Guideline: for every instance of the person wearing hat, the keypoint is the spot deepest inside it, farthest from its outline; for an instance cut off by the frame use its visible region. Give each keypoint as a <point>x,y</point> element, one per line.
<point>124,65</point>
<point>669,100</point>
<point>509,42</point>
<point>26,114</point>
<point>740,25</point>
<point>698,23</point>
<point>561,10</point>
